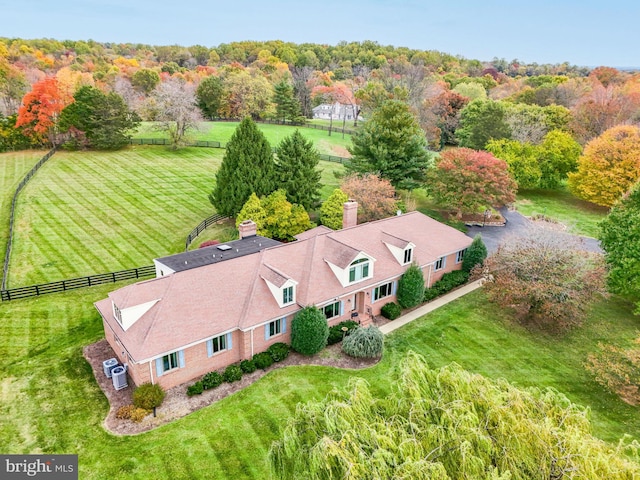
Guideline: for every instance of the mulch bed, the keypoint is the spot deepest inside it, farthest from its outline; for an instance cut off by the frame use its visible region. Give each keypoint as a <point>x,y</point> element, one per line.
<point>177,404</point>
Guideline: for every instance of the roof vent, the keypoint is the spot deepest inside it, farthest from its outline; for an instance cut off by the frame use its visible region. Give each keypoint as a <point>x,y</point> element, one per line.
<point>223,247</point>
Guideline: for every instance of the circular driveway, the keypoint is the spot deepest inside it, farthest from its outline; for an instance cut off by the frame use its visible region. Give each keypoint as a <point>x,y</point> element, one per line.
<point>518,225</point>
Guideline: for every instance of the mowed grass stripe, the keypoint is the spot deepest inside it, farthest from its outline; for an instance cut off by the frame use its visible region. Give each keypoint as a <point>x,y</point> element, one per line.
<point>113,211</point>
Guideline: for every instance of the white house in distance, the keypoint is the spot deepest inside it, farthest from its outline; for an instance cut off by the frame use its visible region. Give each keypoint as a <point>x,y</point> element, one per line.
<point>335,111</point>
<point>218,305</point>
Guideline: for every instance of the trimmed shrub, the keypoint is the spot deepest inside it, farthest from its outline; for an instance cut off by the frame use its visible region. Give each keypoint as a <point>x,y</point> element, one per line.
<point>391,310</point>
<point>336,334</point>
<point>278,351</point>
<point>248,366</point>
<point>309,331</point>
<point>232,373</point>
<point>263,360</point>
<point>411,287</point>
<point>364,343</point>
<point>430,294</point>
<point>211,380</point>
<point>475,254</point>
<point>448,282</point>
<point>195,389</point>
<point>148,396</point>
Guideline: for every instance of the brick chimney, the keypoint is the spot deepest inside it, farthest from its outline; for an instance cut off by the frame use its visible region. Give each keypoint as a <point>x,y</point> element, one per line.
<point>350,214</point>
<point>247,228</point>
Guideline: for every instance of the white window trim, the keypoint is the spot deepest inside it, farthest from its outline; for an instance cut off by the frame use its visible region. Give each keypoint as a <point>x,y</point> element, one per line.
<point>460,255</point>
<point>443,261</point>
<point>227,344</point>
<point>377,289</point>
<point>408,250</point>
<point>339,310</point>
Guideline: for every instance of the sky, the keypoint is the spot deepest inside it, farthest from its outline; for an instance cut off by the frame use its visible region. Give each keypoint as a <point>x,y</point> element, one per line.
<point>580,32</point>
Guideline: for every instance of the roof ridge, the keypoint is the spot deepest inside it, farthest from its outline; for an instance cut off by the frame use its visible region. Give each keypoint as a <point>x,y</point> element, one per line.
<point>307,270</point>
<point>256,278</point>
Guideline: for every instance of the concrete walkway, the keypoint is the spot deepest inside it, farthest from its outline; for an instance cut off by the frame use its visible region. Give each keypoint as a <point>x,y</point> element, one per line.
<point>431,306</point>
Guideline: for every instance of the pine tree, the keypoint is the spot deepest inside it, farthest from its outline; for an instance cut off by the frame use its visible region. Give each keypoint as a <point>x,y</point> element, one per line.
<point>296,170</point>
<point>287,106</point>
<point>475,254</point>
<point>247,167</point>
<point>392,145</point>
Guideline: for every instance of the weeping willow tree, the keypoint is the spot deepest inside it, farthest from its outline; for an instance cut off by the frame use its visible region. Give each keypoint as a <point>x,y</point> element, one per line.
<point>446,424</point>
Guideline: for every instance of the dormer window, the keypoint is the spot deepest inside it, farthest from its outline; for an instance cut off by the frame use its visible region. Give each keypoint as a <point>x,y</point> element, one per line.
<point>117,314</point>
<point>408,255</point>
<point>287,295</point>
<point>358,270</point>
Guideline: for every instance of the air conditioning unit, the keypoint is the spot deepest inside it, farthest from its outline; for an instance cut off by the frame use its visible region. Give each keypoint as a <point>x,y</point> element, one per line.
<point>109,365</point>
<point>119,377</point>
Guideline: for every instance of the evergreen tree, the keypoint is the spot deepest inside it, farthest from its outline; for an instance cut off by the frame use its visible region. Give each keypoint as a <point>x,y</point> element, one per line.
<point>620,238</point>
<point>392,145</point>
<point>411,287</point>
<point>296,170</point>
<point>287,106</point>
<point>475,254</point>
<point>332,209</point>
<point>247,167</point>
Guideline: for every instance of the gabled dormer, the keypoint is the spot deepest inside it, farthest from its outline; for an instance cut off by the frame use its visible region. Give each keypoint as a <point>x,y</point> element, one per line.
<point>282,287</point>
<point>126,317</point>
<point>402,250</point>
<point>349,265</point>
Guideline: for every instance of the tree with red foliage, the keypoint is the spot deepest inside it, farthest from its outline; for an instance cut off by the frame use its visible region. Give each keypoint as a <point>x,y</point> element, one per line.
<point>40,110</point>
<point>470,180</point>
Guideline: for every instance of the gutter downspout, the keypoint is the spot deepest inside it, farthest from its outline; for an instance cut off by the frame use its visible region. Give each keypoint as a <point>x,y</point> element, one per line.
<point>151,373</point>
<point>252,342</point>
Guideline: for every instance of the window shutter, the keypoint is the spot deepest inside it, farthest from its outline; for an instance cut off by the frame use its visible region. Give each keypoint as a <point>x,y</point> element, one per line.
<point>181,358</point>
<point>394,287</point>
<point>210,347</point>
<point>229,341</point>
<point>284,325</point>
<point>266,332</point>
<point>159,367</point>
<point>373,293</point>
<point>342,307</point>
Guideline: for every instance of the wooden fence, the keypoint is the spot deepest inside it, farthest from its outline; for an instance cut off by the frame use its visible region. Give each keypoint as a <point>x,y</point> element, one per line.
<point>207,222</point>
<point>74,283</point>
<point>212,144</point>
<point>27,177</point>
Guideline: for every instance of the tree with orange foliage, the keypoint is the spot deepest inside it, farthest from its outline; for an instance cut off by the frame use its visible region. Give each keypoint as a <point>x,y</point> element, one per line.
<point>609,166</point>
<point>40,110</point>
<point>376,196</point>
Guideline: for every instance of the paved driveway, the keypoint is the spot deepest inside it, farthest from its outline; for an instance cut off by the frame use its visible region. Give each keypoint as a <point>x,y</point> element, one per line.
<point>518,225</point>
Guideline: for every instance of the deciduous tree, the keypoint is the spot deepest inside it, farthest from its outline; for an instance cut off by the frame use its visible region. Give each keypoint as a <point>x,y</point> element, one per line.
<point>178,113</point>
<point>209,94</point>
<point>297,170</point>
<point>392,145</point>
<point>609,166</point>
<point>482,121</point>
<point>547,279</point>
<point>620,239</point>
<point>376,196</point>
<point>145,80</point>
<point>443,424</point>
<point>104,120</point>
<point>468,181</point>
<point>247,167</point>
<point>283,220</point>
<point>41,109</point>
<point>332,208</point>
<point>246,93</point>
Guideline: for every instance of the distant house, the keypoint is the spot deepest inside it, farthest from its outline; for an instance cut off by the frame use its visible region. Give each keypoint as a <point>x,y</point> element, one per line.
<point>335,111</point>
<point>208,309</point>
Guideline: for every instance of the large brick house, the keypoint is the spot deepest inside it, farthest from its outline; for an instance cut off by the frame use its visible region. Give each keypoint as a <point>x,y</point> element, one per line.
<point>218,305</point>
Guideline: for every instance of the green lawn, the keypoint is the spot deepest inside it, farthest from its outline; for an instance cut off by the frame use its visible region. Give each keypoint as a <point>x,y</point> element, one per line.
<point>13,167</point>
<point>579,216</point>
<point>87,213</point>
<point>333,144</point>
<point>50,402</point>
